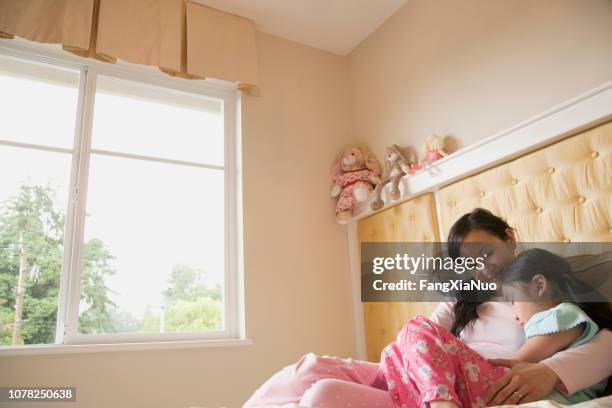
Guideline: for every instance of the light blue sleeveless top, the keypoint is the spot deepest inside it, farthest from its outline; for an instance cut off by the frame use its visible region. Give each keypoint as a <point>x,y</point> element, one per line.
<point>564,317</point>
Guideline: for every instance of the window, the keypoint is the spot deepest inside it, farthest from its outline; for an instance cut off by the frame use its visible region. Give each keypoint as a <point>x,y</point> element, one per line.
<point>118,201</point>
<point>37,123</point>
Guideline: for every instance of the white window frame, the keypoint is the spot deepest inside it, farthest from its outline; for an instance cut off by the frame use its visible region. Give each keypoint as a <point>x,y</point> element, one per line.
<point>70,281</point>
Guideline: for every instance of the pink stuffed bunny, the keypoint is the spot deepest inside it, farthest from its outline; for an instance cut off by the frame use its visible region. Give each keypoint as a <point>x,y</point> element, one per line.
<point>355,174</point>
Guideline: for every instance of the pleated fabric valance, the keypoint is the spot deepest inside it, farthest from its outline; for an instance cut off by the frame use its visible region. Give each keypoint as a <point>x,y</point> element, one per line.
<point>48,21</point>
<point>183,38</point>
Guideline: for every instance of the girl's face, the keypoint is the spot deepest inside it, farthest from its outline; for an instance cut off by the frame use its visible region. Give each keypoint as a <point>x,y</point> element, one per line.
<point>497,253</point>
<point>523,311</point>
<point>519,295</point>
<point>528,298</point>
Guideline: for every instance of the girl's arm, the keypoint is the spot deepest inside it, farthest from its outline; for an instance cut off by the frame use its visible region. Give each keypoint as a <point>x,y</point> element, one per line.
<point>538,348</point>
<point>585,365</point>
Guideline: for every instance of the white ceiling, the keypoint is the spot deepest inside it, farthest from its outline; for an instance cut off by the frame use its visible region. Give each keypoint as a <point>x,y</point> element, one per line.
<point>337,26</point>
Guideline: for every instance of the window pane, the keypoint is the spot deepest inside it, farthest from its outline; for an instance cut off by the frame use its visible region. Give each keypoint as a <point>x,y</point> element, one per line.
<point>145,120</point>
<point>155,235</point>
<point>33,202</point>
<point>38,103</point>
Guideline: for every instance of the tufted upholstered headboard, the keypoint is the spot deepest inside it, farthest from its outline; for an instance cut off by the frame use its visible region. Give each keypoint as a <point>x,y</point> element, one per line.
<point>562,192</point>
<point>412,221</point>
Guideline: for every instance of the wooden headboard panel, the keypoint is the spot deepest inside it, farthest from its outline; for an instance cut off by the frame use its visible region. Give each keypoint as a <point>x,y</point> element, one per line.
<point>558,193</point>
<point>412,221</point>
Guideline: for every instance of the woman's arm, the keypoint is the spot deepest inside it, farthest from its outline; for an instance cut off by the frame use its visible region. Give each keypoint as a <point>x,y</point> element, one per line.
<point>538,348</point>
<point>569,371</point>
<point>535,380</point>
<point>443,315</point>
<point>583,366</point>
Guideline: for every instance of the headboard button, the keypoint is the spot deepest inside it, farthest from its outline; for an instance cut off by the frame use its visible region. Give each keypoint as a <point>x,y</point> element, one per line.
<point>514,181</point>
<point>482,194</point>
<point>581,199</point>
<point>551,170</point>
<point>594,155</point>
<point>566,240</point>
<point>539,210</point>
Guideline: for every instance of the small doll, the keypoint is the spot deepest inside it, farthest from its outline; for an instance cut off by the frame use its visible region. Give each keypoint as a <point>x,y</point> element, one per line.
<point>434,150</point>
<point>397,164</point>
<point>355,174</point>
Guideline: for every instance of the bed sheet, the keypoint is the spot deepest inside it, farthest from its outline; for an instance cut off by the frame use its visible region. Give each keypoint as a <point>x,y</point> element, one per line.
<point>604,402</point>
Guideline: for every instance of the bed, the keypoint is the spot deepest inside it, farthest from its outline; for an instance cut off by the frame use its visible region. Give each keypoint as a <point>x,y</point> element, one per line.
<point>559,193</point>
<point>604,402</point>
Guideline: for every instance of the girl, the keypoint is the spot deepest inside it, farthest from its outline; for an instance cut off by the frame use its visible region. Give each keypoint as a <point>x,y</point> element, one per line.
<point>428,365</point>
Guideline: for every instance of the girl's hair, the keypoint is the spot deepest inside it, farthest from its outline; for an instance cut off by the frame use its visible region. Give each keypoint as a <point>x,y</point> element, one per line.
<point>464,311</point>
<point>566,286</point>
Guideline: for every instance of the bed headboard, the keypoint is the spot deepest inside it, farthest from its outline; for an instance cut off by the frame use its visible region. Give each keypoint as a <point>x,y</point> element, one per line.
<point>562,192</point>
<point>411,221</point>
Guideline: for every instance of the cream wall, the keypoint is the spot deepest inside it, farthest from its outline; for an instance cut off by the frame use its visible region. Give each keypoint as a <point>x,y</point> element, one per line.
<point>471,68</point>
<point>296,278</point>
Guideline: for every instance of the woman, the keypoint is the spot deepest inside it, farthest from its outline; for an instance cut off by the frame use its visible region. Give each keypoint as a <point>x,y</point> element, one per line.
<point>487,327</point>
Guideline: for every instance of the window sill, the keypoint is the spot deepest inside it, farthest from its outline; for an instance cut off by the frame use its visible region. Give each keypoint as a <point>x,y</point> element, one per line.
<point>45,349</point>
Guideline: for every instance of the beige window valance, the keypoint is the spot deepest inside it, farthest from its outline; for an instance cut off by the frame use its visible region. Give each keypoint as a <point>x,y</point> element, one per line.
<point>183,38</point>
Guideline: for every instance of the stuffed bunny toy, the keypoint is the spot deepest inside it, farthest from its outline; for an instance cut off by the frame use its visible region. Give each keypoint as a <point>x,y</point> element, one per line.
<point>397,164</point>
<point>354,174</point>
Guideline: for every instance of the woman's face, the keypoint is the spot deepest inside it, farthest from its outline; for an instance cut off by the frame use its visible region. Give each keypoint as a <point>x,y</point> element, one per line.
<point>496,252</point>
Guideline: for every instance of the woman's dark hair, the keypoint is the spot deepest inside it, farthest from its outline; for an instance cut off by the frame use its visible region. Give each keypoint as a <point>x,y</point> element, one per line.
<point>464,311</point>
<point>566,287</point>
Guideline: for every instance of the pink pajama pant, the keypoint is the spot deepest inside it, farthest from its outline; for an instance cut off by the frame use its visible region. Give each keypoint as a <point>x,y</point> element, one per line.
<point>326,382</point>
<point>427,363</point>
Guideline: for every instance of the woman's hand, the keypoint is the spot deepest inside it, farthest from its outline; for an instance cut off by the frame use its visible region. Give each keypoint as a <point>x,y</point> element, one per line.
<point>525,382</point>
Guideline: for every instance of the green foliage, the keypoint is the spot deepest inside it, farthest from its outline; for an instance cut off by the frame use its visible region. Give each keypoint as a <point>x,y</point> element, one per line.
<point>100,310</point>
<point>190,304</point>
<point>187,283</point>
<point>184,316</point>
<point>112,320</point>
<point>30,220</point>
